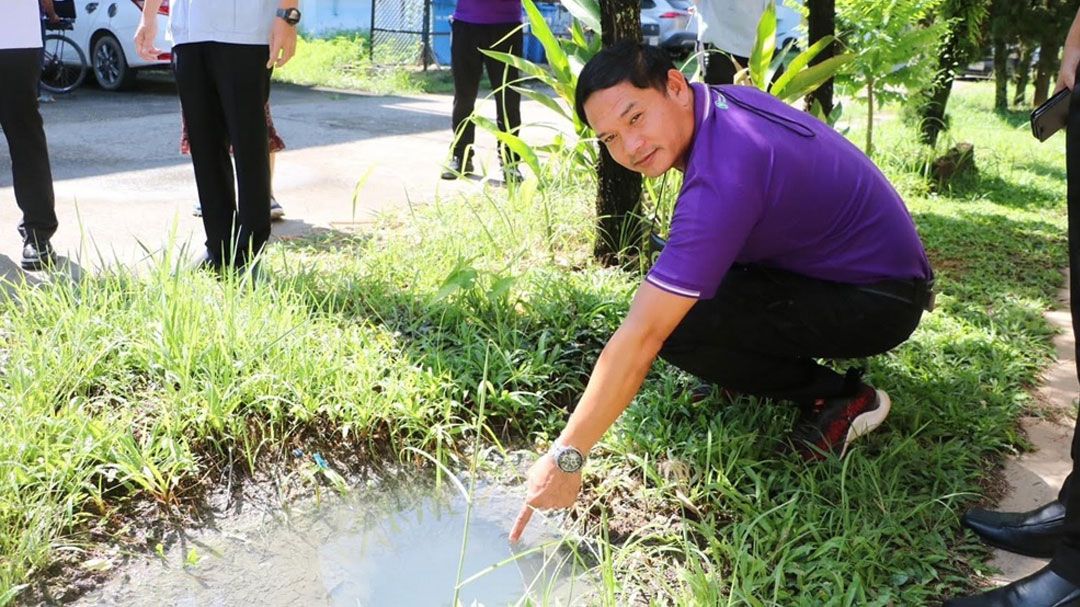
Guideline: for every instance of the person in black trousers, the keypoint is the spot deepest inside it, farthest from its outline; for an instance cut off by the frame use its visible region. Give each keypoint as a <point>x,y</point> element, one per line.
<point>222,64</point>
<point>472,31</point>
<point>20,74</point>
<point>1053,530</point>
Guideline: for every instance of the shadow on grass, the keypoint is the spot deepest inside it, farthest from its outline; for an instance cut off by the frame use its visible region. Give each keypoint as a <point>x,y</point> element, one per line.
<point>1014,118</point>
<point>983,258</point>
<point>999,190</point>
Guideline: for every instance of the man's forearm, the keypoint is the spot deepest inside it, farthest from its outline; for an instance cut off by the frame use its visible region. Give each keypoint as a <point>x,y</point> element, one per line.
<point>150,9</point>
<point>1073,39</point>
<point>289,4</point>
<point>619,373</point>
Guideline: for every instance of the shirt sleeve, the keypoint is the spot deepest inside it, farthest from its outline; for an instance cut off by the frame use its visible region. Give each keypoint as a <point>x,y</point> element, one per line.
<point>711,225</point>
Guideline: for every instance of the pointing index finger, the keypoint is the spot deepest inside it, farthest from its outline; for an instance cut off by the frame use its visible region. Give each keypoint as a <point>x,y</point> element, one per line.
<point>520,523</point>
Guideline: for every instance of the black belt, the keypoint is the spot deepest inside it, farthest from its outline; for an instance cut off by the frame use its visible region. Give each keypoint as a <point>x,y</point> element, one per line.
<point>915,291</point>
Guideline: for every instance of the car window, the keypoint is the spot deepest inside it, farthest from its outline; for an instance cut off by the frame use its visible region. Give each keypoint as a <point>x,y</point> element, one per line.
<point>647,4</point>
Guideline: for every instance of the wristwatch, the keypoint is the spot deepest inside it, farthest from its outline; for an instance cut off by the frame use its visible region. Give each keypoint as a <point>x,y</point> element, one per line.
<point>290,15</point>
<point>567,458</point>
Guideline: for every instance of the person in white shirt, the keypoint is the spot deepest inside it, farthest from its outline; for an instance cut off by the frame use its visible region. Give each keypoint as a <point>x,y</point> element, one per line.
<point>20,73</point>
<point>726,33</point>
<point>223,51</point>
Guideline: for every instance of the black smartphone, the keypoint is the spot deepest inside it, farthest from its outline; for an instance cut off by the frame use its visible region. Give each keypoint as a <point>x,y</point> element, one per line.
<point>1051,116</point>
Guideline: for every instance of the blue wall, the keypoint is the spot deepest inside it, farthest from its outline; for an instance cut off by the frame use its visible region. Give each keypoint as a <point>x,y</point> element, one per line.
<point>326,16</point>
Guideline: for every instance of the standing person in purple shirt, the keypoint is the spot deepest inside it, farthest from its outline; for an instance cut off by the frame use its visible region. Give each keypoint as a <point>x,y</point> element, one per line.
<point>483,25</point>
<point>787,245</point>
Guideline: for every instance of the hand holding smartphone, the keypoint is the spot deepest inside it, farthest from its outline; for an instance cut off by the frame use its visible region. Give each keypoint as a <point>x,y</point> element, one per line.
<point>1051,116</point>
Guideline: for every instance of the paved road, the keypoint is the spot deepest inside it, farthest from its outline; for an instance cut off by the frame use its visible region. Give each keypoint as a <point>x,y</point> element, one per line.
<point>122,187</point>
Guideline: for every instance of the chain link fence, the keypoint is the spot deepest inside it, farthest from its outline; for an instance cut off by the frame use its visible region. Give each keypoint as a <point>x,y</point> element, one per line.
<point>410,32</point>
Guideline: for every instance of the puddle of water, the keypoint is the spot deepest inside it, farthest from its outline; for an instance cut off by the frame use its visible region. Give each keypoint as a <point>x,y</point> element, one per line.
<point>350,555</point>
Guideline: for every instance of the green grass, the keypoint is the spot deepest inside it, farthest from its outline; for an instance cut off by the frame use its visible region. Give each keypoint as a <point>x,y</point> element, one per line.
<point>121,390</point>
<point>343,61</point>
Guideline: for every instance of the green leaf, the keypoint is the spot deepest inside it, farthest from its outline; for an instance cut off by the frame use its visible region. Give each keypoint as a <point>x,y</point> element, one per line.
<point>577,34</point>
<point>515,143</point>
<point>585,11</point>
<point>527,67</point>
<point>764,47</point>
<point>799,63</point>
<point>539,26</point>
<point>543,99</point>
<point>462,277</point>
<point>812,77</point>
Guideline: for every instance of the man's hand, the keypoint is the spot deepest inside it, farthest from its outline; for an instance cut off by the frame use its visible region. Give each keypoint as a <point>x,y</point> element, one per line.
<point>50,10</point>
<point>144,39</point>
<point>1067,74</point>
<point>282,43</point>
<point>546,487</point>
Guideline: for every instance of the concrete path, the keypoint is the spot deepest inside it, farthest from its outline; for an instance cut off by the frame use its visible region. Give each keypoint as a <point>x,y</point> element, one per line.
<point>1036,477</point>
<point>123,188</point>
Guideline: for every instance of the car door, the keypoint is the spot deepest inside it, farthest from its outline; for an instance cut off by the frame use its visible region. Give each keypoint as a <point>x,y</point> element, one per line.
<point>86,20</point>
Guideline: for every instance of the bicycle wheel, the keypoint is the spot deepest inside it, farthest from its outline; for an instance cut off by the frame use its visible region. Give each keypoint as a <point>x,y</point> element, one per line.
<point>63,64</point>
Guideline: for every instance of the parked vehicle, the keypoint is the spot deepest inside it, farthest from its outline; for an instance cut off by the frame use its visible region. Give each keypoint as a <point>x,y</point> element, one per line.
<point>673,17</point>
<point>105,31</point>
<point>650,30</point>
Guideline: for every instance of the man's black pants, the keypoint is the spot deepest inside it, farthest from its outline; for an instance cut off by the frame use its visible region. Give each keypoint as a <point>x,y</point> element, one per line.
<point>223,93</point>
<point>20,73</point>
<point>468,64</point>
<point>1066,562</point>
<point>762,331</point>
<point>718,65</point>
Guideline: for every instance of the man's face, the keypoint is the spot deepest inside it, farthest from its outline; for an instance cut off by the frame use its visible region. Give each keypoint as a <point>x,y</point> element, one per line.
<point>644,130</point>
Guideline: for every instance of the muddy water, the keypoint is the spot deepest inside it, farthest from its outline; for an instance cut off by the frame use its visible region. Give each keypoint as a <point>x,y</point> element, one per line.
<point>352,553</point>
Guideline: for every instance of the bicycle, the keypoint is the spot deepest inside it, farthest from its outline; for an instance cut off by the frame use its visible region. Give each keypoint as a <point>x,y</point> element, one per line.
<point>63,63</point>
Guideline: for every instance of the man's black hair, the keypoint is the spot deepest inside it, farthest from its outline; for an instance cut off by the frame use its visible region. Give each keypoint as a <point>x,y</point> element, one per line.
<point>641,65</point>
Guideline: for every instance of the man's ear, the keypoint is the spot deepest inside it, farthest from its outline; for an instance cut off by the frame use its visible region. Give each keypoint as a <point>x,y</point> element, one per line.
<point>677,86</point>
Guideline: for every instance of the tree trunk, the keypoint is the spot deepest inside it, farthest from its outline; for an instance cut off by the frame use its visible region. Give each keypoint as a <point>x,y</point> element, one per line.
<point>1023,73</point>
<point>1001,74</point>
<point>937,97</point>
<point>1046,69</point>
<point>821,23</point>
<point>620,231</point>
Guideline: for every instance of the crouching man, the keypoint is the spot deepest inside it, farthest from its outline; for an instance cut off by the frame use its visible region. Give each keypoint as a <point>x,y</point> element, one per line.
<point>787,244</point>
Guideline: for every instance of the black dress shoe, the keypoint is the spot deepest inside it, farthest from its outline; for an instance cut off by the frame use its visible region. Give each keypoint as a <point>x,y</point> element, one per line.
<point>37,255</point>
<point>1043,588</point>
<point>1035,533</point>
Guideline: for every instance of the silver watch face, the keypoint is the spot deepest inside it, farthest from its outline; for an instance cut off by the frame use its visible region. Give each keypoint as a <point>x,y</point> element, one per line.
<point>570,460</point>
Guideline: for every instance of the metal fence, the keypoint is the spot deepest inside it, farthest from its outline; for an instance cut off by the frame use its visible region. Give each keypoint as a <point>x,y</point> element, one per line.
<point>410,32</point>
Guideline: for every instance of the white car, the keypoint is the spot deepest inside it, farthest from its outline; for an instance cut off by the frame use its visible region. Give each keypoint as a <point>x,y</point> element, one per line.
<point>673,16</point>
<point>105,31</point>
<point>650,31</point>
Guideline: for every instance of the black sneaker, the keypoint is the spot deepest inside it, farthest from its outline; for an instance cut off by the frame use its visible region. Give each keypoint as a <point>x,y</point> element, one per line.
<point>276,212</point>
<point>455,170</point>
<point>37,255</point>
<point>204,261</point>
<point>830,425</point>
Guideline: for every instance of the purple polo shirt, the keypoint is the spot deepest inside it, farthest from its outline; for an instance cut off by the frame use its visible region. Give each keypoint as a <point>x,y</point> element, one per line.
<point>486,12</point>
<point>771,185</point>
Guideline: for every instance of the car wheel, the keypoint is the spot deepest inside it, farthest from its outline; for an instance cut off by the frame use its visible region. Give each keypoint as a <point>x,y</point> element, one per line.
<point>111,68</point>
